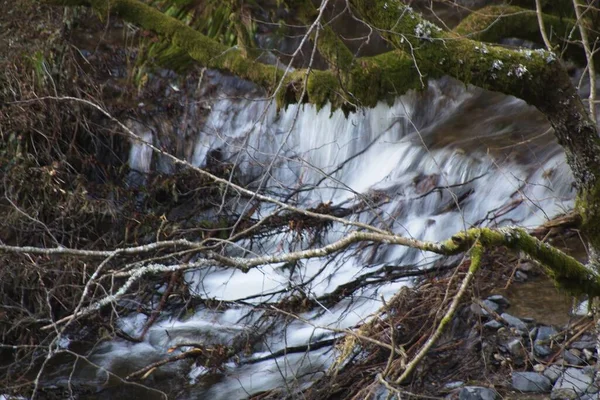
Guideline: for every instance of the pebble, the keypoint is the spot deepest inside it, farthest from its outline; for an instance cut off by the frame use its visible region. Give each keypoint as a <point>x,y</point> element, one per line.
<point>514,322</point>
<point>572,384</point>
<point>539,367</point>
<point>530,382</point>
<point>477,393</point>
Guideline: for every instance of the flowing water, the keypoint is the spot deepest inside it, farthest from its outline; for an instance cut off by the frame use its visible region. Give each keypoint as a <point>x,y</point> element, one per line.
<point>427,166</point>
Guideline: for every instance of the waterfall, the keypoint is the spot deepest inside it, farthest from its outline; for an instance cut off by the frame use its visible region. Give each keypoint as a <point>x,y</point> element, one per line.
<point>430,164</point>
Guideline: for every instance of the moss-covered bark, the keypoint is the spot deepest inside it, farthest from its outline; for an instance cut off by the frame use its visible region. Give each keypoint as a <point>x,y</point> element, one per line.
<point>494,23</point>
<point>423,51</point>
<point>536,77</point>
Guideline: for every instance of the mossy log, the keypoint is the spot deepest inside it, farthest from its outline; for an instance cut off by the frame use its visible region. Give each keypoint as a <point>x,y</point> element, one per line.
<point>423,51</point>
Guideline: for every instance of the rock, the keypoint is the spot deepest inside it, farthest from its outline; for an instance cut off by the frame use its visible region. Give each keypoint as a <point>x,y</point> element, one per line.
<point>477,393</point>
<point>453,385</point>
<point>582,309</point>
<point>584,344</point>
<point>588,354</point>
<point>533,332</point>
<point>541,350</point>
<point>572,358</point>
<point>476,309</point>
<point>514,322</point>
<point>572,384</point>
<point>553,372</point>
<point>531,382</point>
<point>500,300</point>
<point>493,324</point>
<point>526,267</point>
<point>515,347</point>
<point>545,333</point>
<point>520,276</point>
<point>539,368</point>
<point>491,305</point>
<point>528,320</point>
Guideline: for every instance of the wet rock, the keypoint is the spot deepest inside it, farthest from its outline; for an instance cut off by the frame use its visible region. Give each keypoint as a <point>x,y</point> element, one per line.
<point>520,276</point>
<point>544,334</point>
<point>572,384</point>
<point>531,382</point>
<point>584,344</point>
<point>541,350</point>
<point>477,393</point>
<point>493,324</point>
<point>514,322</point>
<point>553,372</point>
<point>500,300</point>
<point>572,357</point>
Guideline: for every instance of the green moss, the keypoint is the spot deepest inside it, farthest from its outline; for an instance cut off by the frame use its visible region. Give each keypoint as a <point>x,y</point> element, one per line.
<point>567,272</point>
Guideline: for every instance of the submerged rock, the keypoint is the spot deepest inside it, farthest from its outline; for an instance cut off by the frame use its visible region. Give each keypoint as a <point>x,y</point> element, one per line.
<point>531,382</point>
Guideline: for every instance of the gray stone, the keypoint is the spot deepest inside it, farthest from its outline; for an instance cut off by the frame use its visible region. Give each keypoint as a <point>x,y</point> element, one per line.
<point>553,372</point>
<point>478,310</point>
<point>499,299</point>
<point>584,344</point>
<point>530,382</point>
<point>453,385</point>
<point>572,358</point>
<point>493,324</point>
<point>514,322</point>
<point>477,393</point>
<point>541,350</point>
<point>520,276</point>
<point>544,333</point>
<point>491,305</point>
<point>572,384</point>
<point>515,347</point>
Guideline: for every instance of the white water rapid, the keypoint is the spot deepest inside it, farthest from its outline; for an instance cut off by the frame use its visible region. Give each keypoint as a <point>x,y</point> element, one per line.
<point>433,163</point>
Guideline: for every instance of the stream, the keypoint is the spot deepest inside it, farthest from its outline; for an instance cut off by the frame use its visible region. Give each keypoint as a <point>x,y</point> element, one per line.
<point>427,166</point>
